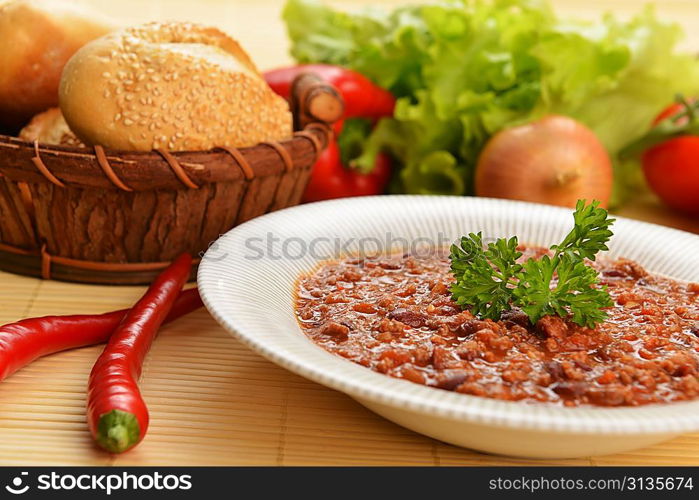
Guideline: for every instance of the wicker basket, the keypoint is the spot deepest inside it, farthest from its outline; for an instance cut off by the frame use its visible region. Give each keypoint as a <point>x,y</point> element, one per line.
<point>99,216</point>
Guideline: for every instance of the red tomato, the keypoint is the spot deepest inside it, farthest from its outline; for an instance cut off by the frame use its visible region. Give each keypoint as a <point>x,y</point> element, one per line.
<point>331,179</point>
<point>672,168</point>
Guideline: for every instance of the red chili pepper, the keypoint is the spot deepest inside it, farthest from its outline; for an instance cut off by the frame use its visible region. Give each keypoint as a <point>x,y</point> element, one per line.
<point>331,177</point>
<point>116,413</point>
<point>26,340</point>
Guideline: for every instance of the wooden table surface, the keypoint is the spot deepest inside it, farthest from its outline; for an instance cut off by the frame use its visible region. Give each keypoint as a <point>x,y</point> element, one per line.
<point>212,401</point>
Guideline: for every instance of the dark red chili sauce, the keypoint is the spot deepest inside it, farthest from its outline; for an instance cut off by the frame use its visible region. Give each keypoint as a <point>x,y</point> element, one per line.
<point>394,314</point>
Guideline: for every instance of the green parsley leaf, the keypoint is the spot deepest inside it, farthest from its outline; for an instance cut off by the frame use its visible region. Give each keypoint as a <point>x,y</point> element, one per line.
<point>590,233</point>
<point>573,292</point>
<point>490,280</point>
<point>485,277</point>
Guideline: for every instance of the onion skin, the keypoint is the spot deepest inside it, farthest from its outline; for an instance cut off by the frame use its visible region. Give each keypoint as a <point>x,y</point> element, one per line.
<point>555,160</point>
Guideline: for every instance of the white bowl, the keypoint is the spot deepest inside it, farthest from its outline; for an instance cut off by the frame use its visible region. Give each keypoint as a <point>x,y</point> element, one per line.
<point>248,283</point>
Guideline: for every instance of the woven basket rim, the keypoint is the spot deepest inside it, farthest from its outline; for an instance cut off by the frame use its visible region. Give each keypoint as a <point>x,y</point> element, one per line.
<point>14,142</point>
<point>158,169</point>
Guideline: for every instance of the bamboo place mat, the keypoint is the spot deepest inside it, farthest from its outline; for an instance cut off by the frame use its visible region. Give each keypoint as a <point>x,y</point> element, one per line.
<point>214,402</point>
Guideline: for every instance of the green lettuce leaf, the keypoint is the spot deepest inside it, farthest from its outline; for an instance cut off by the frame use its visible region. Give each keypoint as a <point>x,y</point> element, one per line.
<point>463,70</point>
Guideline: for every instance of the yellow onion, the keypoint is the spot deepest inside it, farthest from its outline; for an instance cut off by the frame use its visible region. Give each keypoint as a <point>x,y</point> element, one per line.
<point>555,160</point>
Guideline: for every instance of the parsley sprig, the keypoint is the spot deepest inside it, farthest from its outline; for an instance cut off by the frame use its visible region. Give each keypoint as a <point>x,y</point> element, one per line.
<point>490,279</point>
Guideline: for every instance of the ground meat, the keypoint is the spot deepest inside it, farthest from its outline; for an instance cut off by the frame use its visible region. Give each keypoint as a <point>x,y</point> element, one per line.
<point>335,330</point>
<point>552,327</point>
<point>394,315</point>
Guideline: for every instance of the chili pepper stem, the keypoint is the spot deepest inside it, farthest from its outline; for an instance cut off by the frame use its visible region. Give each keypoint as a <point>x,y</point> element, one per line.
<point>117,431</point>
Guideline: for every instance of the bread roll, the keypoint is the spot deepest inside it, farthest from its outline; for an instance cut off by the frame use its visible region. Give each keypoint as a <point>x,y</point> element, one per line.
<point>49,127</point>
<point>37,37</point>
<point>175,86</point>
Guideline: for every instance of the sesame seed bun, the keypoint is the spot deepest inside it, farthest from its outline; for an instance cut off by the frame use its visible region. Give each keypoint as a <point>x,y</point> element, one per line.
<point>49,127</point>
<point>175,86</point>
<point>37,38</point>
